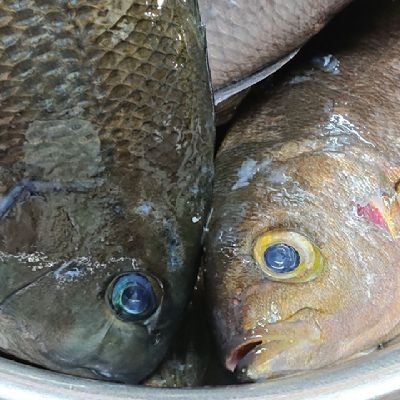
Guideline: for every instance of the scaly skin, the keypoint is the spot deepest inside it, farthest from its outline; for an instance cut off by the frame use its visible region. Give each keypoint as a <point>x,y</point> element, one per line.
<point>319,155</point>
<point>245,36</point>
<point>106,145</point>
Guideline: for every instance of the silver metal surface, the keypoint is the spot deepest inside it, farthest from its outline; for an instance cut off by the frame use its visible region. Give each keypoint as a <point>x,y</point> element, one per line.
<point>374,376</point>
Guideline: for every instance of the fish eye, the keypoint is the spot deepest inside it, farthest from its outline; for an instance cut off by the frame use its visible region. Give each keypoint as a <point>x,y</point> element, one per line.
<point>134,296</point>
<point>287,256</point>
<point>281,257</point>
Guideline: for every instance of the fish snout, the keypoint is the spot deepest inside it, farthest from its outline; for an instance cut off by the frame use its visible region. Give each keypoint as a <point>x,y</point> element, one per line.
<point>276,349</point>
<point>241,352</point>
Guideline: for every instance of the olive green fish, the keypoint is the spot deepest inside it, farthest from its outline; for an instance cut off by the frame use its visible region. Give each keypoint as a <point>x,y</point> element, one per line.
<point>189,357</point>
<point>106,147</point>
<point>303,250</point>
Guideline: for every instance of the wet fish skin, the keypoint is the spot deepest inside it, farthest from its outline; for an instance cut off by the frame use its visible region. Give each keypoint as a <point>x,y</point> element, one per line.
<point>188,360</point>
<point>244,37</point>
<point>316,155</point>
<point>106,147</point>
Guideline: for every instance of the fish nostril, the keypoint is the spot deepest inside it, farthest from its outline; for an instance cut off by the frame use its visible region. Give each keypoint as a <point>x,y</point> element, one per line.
<point>239,353</point>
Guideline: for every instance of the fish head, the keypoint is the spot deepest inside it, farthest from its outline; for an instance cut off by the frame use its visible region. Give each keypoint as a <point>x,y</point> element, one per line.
<point>94,283</point>
<point>301,258</point>
<point>105,329</point>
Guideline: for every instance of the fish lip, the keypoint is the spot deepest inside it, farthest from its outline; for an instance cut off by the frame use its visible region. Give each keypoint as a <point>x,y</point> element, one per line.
<point>242,352</point>
<point>261,340</point>
<point>248,343</point>
<point>116,377</point>
<point>244,346</point>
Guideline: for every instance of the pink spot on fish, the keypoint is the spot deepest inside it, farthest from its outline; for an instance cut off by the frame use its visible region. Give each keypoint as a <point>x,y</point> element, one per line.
<point>373,214</point>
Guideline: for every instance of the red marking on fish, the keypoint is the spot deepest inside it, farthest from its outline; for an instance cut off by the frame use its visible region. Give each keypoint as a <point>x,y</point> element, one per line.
<point>373,214</point>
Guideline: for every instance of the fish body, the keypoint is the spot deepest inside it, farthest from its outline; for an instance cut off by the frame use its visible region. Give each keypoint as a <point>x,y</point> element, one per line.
<point>106,148</point>
<point>188,360</point>
<point>303,248</point>
<point>247,41</point>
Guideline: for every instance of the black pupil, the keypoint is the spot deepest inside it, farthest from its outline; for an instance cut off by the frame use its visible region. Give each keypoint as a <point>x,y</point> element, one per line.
<point>281,258</point>
<point>132,296</point>
<point>136,299</point>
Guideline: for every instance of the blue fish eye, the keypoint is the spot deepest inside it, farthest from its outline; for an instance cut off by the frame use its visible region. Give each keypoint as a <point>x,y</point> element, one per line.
<point>132,296</point>
<point>281,257</point>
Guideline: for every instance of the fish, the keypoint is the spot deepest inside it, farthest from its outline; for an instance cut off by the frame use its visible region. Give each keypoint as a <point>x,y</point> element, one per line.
<point>302,251</point>
<point>106,162</point>
<point>248,41</point>
<point>189,358</point>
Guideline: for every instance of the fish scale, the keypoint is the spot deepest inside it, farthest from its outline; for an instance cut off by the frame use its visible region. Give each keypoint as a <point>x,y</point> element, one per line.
<point>104,107</point>
<point>312,163</point>
<point>245,37</point>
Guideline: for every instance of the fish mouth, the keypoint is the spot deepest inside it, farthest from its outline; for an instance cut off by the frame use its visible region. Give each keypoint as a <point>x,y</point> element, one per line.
<point>250,345</point>
<point>273,350</point>
<point>115,377</point>
<point>240,352</point>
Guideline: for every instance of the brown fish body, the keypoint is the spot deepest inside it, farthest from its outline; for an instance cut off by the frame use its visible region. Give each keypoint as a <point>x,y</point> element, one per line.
<point>106,146</point>
<point>249,40</point>
<point>313,165</point>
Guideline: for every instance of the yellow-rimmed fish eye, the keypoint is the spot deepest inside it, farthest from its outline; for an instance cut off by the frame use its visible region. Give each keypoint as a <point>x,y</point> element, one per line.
<point>287,256</point>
